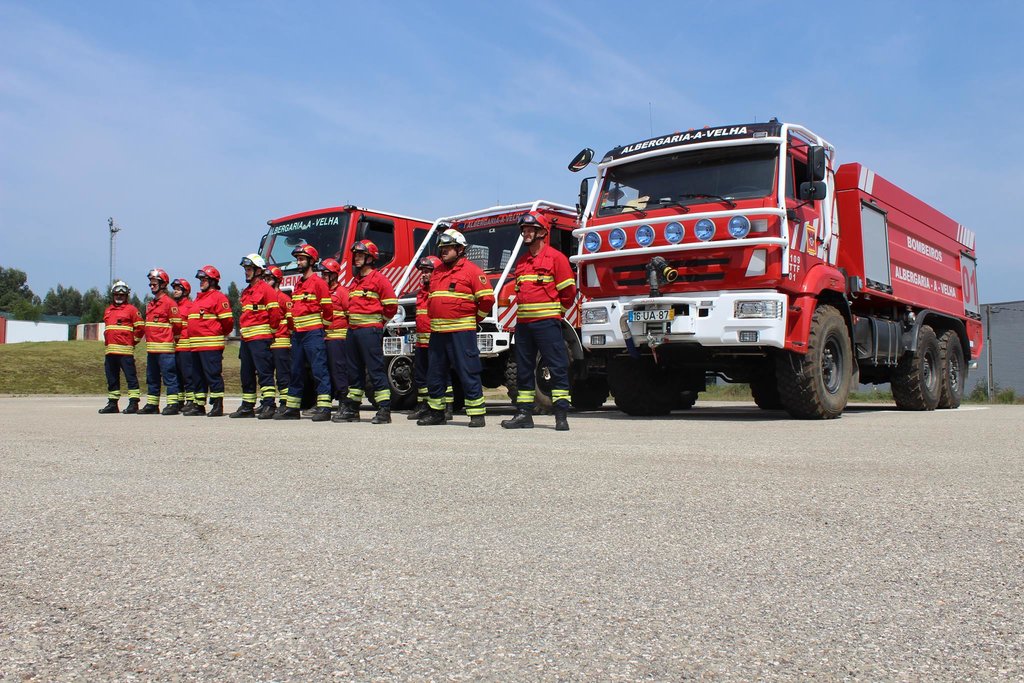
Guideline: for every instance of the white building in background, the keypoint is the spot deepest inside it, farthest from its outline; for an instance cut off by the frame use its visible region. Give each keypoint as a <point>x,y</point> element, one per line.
<point>16,331</point>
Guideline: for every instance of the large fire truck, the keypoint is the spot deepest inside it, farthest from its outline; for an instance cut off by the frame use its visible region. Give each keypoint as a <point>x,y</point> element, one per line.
<point>494,244</point>
<point>746,252</point>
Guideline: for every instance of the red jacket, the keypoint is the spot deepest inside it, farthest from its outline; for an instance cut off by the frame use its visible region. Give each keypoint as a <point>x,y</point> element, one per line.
<point>261,311</point>
<point>209,321</point>
<point>123,328</point>
<point>545,285</point>
<point>283,335</point>
<point>422,318</point>
<point>311,304</point>
<point>460,296</point>
<point>163,324</point>
<point>371,301</point>
<point>184,307</point>
<point>338,328</point>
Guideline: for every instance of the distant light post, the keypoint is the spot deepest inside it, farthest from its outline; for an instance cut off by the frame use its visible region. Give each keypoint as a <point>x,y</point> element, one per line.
<point>114,229</point>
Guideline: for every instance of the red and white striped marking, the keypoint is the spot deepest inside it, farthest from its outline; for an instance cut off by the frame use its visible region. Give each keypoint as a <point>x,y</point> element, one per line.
<point>965,236</point>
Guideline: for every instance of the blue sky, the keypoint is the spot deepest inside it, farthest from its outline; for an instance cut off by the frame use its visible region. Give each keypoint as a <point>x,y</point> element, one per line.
<point>192,123</point>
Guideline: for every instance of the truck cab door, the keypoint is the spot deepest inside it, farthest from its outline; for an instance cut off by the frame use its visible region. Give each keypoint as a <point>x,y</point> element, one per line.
<point>809,232</point>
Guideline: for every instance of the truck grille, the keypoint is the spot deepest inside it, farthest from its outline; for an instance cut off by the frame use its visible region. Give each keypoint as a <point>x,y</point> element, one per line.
<point>690,270</point>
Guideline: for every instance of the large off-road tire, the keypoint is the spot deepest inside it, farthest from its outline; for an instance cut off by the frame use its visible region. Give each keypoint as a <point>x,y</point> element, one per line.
<point>765,389</point>
<point>816,385</point>
<point>954,370</point>
<point>917,380</point>
<point>686,400</point>
<point>399,370</point>
<point>639,388</point>
<point>590,393</point>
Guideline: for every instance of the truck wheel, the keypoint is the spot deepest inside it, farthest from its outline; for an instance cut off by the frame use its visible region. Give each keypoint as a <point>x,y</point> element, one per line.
<point>954,370</point>
<point>686,400</point>
<point>816,385</point>
<point>511,379</point>
<point>765,390</point>
<point>639,388</point>
<point>917,380</point>
<point>400,371</point>
<point>590,393</point>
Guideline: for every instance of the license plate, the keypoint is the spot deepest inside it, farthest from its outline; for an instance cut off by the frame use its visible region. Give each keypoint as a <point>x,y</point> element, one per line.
<point>654,315</point>
<point>410,338</point>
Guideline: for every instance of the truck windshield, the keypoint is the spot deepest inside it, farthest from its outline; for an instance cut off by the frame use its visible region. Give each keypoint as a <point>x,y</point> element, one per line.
<point>490,247</point>
<point>324,231</point>
<point>700,176</point>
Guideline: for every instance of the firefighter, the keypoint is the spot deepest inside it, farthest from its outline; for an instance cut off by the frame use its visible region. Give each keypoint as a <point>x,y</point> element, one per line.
<point>122,329</point>
<point>311,308</point>
<point>371,301</point>
<point>163,325</point>
<point>209,322</point>
<point>426,266</point>
<point>281,347</point>
<point>260,318</point>
<point>545,289</point>
<point>460,297</point>
<point>337,333</point>
<point>180,292</point>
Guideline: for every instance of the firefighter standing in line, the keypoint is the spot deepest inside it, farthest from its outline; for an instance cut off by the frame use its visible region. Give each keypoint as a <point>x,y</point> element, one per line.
<point>545,289</point>
<point>122,329</point>
<point>460,297</point>
<point>163,324</point>
<point>209,322</point>
<point>260,318</point>
<point>371,301</point>
<point>180,291</point>
<point>426,266</point>
<point>337,332</point>
<point>311,308</point>
<point>281,347</point>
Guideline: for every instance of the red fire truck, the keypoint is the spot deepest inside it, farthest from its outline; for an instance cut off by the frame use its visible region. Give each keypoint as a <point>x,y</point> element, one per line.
<point>745,251</point>
<point>494,244</point>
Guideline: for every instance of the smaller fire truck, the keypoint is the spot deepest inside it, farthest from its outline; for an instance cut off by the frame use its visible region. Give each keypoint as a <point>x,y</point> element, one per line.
<point>494,244</point>
<point>746,252</point>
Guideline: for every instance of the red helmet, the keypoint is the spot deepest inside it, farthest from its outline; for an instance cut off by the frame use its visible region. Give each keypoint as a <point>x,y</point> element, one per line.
<point>428,263</point>
<point>306,250</point>
<point>208,271</point>
<point>158,274</point>
<point>366,247</point>
<point>329,264</point>
<point>275,272</point>
<point>183,283</point>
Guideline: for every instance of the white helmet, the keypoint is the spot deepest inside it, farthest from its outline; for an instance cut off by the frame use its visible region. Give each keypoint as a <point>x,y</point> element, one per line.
<point>120,287</point>
<point>451,236</point>
<point>254,260</point>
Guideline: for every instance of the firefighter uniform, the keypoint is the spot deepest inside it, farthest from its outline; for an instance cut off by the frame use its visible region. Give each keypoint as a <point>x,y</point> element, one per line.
<point>163,325</point>
<point>259,320</point>
<point>123,327</point>
<point>183,355</point>
<point>281,348</point>
<point>460,296</point>
<point>421,355</point>
<point>545,289</point>
<point>337,334</point>
<point>311,308</point>
<point>209,322</point>
<point>371,301</point>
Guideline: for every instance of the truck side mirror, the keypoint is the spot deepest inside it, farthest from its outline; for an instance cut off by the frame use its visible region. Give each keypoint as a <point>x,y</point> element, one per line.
<point>581,160</point>
<point>811,191</point>
<point>581,202</point>
<point>816,163</point>
<point>263,240</point>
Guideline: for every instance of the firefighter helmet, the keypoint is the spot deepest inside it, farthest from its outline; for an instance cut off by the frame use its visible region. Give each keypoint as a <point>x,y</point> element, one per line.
<point>254,260</point>
<point>330,265</point>
<point>529,220</point>
<point>276,273</point>
<point>428,263</point>
<point>451,237</point>
<point>366,247</point>
<point>307,250</point>
<point>183,283</point>
<point>120,287</point>
<point>158,274</point>
<point>208,272</point>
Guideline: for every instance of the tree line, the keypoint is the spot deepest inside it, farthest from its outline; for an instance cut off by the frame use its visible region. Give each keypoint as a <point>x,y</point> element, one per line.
<point>18,299</point>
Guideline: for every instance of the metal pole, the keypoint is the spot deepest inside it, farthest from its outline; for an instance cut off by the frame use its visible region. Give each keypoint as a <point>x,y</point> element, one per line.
<point>114,229</point>
<point>988,345</point>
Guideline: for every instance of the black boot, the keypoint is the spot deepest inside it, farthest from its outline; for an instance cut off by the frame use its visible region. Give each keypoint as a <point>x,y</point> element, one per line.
<point>245,410</point>
<point>111,407</point>
<point>477,421</point>
<point>150,409</point>
<point>383,416</point>
<point>433,417</point>
<point>266,411</point>
<point>197,409</point>
<point>561,420</point>
<point>349,412</point>
<point>171,409</point>
<point>186,408</point>
<point>448,412</point>
<point>216,408</point>
<point>133,407</point>
<point>420,411</point>
<point>321,414</point>
<point>523,419</point>
<point>286,413</point>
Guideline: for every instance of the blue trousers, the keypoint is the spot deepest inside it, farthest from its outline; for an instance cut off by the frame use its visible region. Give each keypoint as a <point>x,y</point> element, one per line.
<point>257,365</point>
<point>458,352</point>
<point>113,365</point>
<point>366,357</point>
<point>211,365</point>
<point>161,365</point>
<point>183,359</point>
<point>545,337</point>
<point>283,371</point>
<point>199,385</point>
<point>420,367</point>
<point>337,364</point>
<point>309,345</point>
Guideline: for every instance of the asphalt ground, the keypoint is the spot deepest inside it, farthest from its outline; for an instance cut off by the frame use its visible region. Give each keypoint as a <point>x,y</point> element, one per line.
<point>722,543</point>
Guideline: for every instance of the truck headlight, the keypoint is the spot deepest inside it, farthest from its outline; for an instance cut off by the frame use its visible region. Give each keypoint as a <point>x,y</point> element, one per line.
<point>617,238</point>
<point>674,232</point>
<point>644,235</point>
<point>595,316</point>
<point>739,227</point>
<point>592,241</point>
<point>758,309</point>
<point>704,229</point>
